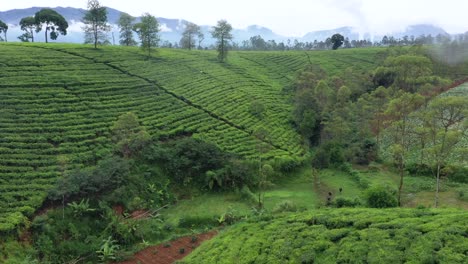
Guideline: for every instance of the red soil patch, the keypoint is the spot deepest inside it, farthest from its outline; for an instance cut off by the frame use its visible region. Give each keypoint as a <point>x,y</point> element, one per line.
<point>162,254</point>
<point>139,214</point>
<point>118,209</point>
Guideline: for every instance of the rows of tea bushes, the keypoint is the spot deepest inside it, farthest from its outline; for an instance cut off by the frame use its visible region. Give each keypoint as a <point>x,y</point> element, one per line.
<point>223,90</point>
<point>59,101</point>
<point>343,236</point>
<point>56,111</point>
<point>227,90</point>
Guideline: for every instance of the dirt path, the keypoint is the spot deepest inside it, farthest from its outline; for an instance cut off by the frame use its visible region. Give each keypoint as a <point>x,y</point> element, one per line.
<point>169,252</point>
<point>320,188</point>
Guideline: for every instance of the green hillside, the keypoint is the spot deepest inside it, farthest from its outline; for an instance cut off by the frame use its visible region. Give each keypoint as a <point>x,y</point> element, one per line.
<point>343,236</point>
<point>59,101</point>
<point>456,157</point>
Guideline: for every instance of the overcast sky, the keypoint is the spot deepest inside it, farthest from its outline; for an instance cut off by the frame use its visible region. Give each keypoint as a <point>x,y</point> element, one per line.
<point>290,17</point>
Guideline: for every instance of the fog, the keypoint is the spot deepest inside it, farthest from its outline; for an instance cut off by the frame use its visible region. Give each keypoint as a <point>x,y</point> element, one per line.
<point>293,17</point>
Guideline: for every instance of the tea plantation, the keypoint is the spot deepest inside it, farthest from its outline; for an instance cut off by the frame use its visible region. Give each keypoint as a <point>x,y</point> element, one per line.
<point>59,101</point>
<point>343,236</point>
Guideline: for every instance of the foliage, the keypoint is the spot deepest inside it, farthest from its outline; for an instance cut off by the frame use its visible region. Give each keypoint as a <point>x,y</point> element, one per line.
<point>78,94</point>
<point>81,208</point>
<point>257,109</point>
<point>4,30</point>
<point>342,236</point>
<point>108,175</point>
<point>16,252</point>
<point>191,31</point>
<point>328,155</point>
<point>28,25</point>
<point>446,126</point>
<point>51,21</point>
<point>337,41</point>
<point>285,206</point>
<point>147,30</point>
<point>107,250</point>
<point>398,111</point>
<point>341,202</point>
<point>222,32</point>
<point>247,195</point>
<point>95,20</point>
<point>125,23</point>
<point>187,160</point>
<point>129,137</point>
<point>380,197</point>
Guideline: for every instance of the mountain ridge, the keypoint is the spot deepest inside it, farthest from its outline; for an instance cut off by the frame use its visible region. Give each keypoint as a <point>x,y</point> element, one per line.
<point>171,29</point>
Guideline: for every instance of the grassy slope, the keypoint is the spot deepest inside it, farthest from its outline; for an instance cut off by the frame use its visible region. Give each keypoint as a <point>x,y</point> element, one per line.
<point>58,102</point>
<point>343,236</point>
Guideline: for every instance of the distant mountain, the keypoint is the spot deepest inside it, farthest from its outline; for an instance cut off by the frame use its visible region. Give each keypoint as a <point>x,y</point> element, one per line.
<point>353,33</point>
<point>422,29</point>
<point>172,28</point>
<point>320,35</point>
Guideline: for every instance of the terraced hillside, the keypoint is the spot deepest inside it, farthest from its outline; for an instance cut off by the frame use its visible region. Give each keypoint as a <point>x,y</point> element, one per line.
<point>59,101</point>
<point>343,236</point>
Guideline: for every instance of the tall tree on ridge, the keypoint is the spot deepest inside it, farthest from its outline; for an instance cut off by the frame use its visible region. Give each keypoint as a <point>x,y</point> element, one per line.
<point>95,20</point>
<point>28,25</point>
<point>126,30</point>
<point>4,29</point>
<point>446,124</point>
<point>222,32</point>
<point>52,21</point>
<point>398,111</point>
<point>188,36</point>
<point>147,31</point>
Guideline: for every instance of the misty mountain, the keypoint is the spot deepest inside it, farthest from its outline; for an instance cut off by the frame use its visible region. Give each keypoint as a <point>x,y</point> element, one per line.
<point>320,35</point>
<point>422,29</point>
<point>171,29</point>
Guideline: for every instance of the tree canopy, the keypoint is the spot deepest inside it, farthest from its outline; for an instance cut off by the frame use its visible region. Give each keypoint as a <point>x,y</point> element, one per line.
<point>189,35</point>
<point>95,20</point>
<point>147,31</point>
<point>126,30</point>
<point>3,29</point>
<point>337,41</point>
<point>51,21</point>
<point>28,25</point>
<point>222,32</point>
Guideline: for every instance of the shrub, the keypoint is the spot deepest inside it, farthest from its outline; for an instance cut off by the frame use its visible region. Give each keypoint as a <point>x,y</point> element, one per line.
<point>286,164</point>
<point>380,197</point>
<point>345,202</point>
<point>196,221</point>
<point>285,206</point>
<point>256,108</point>
<point>456,173</point>
<point>328,155</point>
<point>247,195</point>
<point>419,169</point>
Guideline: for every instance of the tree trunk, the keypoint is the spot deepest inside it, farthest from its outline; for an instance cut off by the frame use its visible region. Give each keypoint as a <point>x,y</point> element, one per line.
<point>437,185</point>
<point>222,48</point>
<point>46,31</point>
<point>400,188</point>
<point>190,41</point>
<point>63,206</point>
<point>95,36</point>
